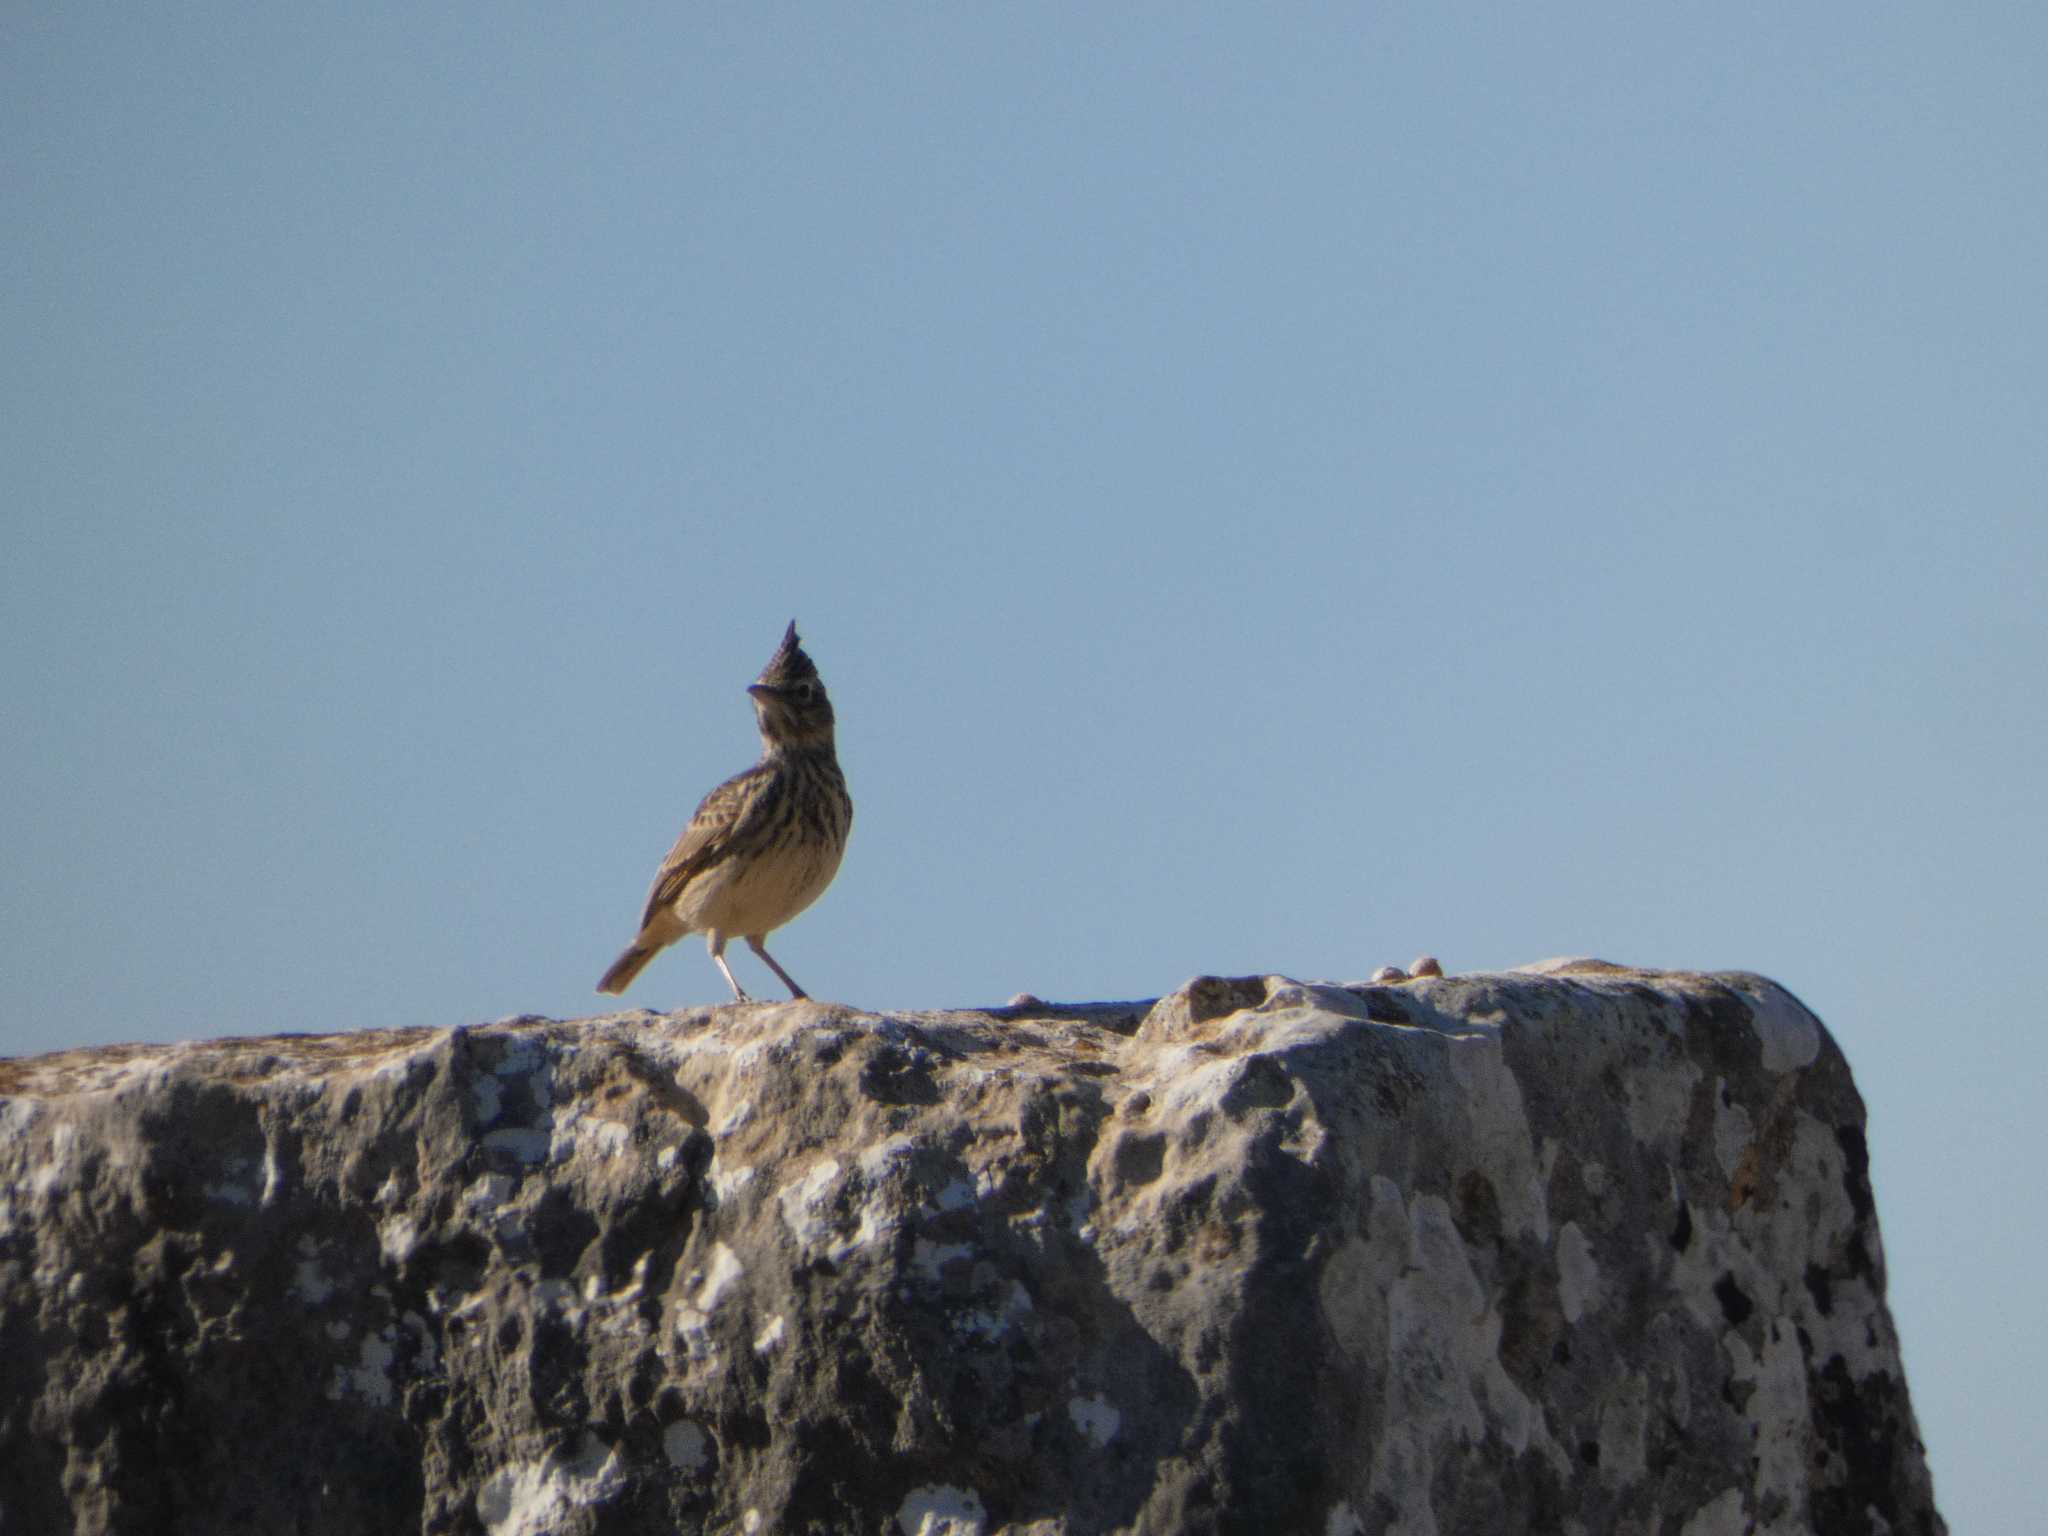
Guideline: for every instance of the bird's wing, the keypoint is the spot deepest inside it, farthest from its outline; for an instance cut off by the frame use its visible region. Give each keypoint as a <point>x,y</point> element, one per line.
<point>726,820</point>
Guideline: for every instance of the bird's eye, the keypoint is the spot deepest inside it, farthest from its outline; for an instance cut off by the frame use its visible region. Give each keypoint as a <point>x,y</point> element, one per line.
<point>805,691</point>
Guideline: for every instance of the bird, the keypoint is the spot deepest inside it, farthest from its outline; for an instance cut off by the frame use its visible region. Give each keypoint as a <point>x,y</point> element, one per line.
<point>763,845</point>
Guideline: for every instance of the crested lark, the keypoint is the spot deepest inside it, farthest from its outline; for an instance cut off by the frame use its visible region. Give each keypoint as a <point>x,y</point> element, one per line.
<point>765,843</point>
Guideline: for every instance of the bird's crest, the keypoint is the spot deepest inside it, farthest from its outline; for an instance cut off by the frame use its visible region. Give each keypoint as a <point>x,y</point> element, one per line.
<point>789,664</point>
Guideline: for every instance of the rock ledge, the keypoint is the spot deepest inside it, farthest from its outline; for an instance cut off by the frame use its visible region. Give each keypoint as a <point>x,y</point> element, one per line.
<point>1581,1248</point>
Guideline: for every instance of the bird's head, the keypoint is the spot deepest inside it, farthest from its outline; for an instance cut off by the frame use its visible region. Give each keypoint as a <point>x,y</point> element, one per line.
<point>789,698</point>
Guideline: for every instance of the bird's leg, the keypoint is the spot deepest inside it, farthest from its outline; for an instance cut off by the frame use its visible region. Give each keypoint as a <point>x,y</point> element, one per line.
<point>716,943</point>
<point>788,981</point>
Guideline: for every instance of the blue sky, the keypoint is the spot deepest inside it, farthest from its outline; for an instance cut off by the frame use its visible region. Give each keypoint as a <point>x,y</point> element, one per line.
<point>1270,489</point>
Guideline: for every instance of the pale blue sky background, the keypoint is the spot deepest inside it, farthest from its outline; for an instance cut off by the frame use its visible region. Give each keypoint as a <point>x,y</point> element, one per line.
<point>1271,488</point>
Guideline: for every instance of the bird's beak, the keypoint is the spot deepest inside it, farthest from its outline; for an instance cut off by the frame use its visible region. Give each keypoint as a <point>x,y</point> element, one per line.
<point>763,690</point>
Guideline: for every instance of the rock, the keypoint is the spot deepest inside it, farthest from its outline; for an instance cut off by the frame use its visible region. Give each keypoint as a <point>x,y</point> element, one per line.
<point>1590,1249</point>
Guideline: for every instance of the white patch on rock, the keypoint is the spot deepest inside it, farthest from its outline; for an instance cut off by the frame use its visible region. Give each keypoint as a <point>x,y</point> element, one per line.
<point>991,1324</point>
<point>1790,1035</point>
<point>928,1258</point>
<point>1305,1143</point>
<point>273,1176</point>
<point>16,1118</point>
<point>1359,1276</point>
<point>636,1281</point>
<point>427,1351</point>
<point>534,1498</point>
<point>735,1117</point>
<point>1578,1277</point>
<point>1660,1102</point>
<point>230,1191</point>
<point>1715,1252</point>
<point>1401,1475</point>
<point>769,1339</point>
<point>1096,1417</point>
<point>522,1058</point>
<point>877,1221</point>
<point>727,1182</point>
<point>1624,1419</point>
<point>309,1282</point>
<point>370,1377</point>
<point>559,1297</point>
<point>1500,1140</point>
<point>1733,1130</point>
<point>1082,1204</point>
<point>1429,1312</point>
<point>811,1207</point>
<point>1352,1290</point>
<point>57,1172</point>
<point>487,1193</point>
<point>397,1236</point>
<point>488,1095</point>
<point>1816,1231</point>
<point>942,1510</point>
<point>1779,1413</point>
<point>1720,1516</point>
<point>719,1276</point>
<point>693,1321</point>
<point>880,1159</point>
<point>1445,1384</point>
<point>806,1203</point>
<point>579,1133</point>
<point>687,1447</point>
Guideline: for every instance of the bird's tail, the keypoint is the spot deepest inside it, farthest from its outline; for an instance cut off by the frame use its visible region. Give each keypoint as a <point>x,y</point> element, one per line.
<point>627,966</point>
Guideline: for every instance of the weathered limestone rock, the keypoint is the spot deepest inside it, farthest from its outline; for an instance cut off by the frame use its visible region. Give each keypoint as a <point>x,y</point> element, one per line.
<point>1590,1251</point>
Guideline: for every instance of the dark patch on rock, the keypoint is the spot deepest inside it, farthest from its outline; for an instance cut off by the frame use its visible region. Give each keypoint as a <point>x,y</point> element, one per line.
<point>1139,1159</point>
<point>562,1228</point>
<point>1821,1289</point>
<point>1478,1209</point>
<point>1261,1083</point>
<point>1735,1303</point>
<point>1865,1427</point>
<point>1856,1170</point>
<point>896,1074</point>
<point>1384,1007</point>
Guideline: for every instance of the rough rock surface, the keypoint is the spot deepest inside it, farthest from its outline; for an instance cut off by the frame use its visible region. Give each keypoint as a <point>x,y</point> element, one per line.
<point>1590,1250</point>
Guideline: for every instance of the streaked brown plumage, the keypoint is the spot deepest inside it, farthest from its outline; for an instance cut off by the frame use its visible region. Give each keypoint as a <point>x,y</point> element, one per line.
<point>765,843</point>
